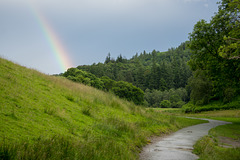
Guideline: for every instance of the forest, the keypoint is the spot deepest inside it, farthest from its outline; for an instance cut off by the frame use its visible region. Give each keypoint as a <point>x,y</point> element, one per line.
<point>161,75</point>
<point>206,68</point>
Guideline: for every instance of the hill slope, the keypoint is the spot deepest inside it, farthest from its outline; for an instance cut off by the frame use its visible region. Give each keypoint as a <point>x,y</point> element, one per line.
<point>47,117</point>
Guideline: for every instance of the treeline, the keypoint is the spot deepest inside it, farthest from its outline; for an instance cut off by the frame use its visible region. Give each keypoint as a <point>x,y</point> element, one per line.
<point>122,89</point>
<point>155,73</point>
<point>155,70</point>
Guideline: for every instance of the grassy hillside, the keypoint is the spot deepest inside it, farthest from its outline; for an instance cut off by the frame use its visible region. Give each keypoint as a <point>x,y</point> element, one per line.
<point>47,117</point>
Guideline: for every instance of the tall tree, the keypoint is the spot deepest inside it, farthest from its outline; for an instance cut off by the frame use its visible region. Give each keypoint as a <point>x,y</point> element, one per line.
<point>231,48</point>
<point>205,41</point>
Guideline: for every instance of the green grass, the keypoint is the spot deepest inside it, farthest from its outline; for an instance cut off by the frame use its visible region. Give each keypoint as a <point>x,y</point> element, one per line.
<point>230,130</point>
<point>167,109</point>
<point>212,106</point>
<point>210,147</point>
<point>47,117</point>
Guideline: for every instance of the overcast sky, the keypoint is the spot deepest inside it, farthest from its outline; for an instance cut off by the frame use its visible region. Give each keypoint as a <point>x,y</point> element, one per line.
<point>90,29</point>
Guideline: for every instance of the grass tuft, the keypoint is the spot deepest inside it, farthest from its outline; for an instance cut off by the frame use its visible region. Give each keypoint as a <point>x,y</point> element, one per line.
<point>70,98</point>
<point>86,111</point>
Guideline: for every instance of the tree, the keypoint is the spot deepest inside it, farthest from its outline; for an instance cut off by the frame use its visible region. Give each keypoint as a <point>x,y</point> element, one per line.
<point>108,58</point>
<point>120,59</point>
<point>201,89</point>
<point>108,83</point>
<point>206,43</point>
<point>231,48</point>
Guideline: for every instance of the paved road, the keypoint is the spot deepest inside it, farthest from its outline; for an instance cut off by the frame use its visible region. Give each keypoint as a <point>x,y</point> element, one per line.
<point>179,145</point>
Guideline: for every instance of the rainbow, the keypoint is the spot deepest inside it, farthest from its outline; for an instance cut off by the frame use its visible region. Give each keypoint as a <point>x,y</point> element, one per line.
<point>57,47</point>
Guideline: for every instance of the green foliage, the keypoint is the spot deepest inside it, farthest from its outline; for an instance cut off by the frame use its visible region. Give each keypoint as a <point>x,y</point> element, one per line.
<point>229,94</point>
<point>108,83</point>
<point>212,106</point>
<point>231,48</point>
<point>165,104</point>
<point>129,92</point>
<point>155,70</point>
<point>152,72</point>
<point>176,97</point>
<point>86,78</point>
<point>122,89</point>
<point>178,104</point>
<point>208,42</point>
<point>201,88</point>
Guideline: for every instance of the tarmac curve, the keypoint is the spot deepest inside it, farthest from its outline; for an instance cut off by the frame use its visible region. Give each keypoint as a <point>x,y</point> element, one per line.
<point>179,145</point>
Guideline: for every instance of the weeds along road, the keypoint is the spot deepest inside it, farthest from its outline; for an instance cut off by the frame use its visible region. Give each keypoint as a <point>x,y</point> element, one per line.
<point>179,145</point>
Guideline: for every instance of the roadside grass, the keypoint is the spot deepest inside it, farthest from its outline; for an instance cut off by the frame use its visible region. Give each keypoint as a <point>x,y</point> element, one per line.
<point>213,146</point>
<point>230,130</point>
<point>47,117</point>
<point>170,111</point>
<point>212,106</point>
<point>208,149</point>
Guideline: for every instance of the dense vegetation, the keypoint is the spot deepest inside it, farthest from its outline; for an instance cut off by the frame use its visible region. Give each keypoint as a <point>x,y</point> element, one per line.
<point>215,56</point>
<point>155,70</point>
<point>122,89</point>
<point>49,117</point>
<point>162,75</point>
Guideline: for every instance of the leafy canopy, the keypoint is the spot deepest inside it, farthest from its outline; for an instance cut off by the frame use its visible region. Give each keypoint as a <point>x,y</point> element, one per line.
<point>215,48</point>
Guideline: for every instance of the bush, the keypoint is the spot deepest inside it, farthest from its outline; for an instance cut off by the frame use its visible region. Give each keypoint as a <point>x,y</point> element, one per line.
<point>121,89</point>
<point>86,78</point>
<point>129,92</point>
<point>165,104</point>
<point>179,104</point>
<point>187,108</point>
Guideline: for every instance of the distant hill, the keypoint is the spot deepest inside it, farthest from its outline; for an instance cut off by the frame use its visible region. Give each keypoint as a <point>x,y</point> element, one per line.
<point>48,117</point>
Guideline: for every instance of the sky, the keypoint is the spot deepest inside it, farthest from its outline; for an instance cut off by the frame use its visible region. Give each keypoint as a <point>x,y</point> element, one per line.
<point>51,35</point>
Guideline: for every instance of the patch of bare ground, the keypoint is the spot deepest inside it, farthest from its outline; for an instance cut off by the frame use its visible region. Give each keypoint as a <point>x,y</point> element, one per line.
<point>228,142</point>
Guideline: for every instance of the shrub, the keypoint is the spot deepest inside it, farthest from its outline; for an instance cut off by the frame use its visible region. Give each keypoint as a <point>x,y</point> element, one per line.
<point>165,104</point>
<point>129,92</point>
<point>179,104</point>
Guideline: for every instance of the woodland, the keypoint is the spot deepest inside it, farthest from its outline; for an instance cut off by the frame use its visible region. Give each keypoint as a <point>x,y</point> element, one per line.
<point>204,69</point>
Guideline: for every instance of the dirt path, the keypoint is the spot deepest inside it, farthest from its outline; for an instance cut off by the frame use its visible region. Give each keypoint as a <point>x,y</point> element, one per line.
<point>179,145</point>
